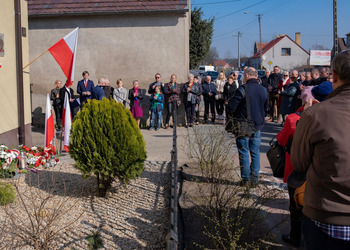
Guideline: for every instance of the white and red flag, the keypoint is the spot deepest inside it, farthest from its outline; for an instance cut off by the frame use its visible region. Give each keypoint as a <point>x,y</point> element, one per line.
<point>67,122</point>
<point>64,52</point>
<point>49,124</point>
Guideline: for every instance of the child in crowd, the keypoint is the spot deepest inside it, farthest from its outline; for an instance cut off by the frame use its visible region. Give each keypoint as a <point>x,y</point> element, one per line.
<point>157,100</point>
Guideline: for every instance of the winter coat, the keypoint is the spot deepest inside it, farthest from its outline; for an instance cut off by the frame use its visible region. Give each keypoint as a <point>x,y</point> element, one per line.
<point>285,135</point>
<point>320,149</point>
<point>289,96</point>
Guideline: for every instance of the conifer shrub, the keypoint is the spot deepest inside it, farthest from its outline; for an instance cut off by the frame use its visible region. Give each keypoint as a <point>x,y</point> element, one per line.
<point>105,141</point>
<point>7,193</point>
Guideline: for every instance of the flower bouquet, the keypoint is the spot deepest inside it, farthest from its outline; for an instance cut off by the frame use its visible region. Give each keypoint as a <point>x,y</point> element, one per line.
<point>25,159</point>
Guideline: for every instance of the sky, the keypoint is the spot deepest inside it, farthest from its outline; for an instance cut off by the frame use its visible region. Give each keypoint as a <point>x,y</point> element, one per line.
<point>312,18</point>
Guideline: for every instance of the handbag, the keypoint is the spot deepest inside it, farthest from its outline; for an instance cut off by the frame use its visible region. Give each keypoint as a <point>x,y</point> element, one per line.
<point>241,127</point>
<point>276,157</point>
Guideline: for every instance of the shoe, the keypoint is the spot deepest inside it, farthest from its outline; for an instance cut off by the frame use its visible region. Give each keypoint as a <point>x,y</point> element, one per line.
<point>253,184</point>
<point>157,129</point>
<point>166,126</point>
<point>243,184</point>
<point>151,128</point>
<point>286,238</point>
<point>197,123</point>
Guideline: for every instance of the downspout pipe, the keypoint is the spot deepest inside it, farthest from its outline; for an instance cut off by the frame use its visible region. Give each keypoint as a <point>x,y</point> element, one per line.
<point>19,56</point>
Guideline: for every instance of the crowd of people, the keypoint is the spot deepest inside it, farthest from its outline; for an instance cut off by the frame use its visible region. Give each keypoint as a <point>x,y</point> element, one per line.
<point>215,95</point>
<point>313,108</point>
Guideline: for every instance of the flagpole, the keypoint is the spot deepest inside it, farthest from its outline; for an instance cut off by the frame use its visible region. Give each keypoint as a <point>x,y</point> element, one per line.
<point>35,59</point>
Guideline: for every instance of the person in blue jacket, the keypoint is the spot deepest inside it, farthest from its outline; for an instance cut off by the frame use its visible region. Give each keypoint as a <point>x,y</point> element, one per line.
<point>157,100</point>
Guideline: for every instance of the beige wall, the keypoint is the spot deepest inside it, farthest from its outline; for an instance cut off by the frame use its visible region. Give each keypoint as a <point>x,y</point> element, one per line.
<point>125,46</point>
<point>8,75</point>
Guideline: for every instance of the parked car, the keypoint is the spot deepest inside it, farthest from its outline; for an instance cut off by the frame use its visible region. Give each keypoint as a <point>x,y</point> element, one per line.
<point>240,75</point>
<point>204,68</point>
<point>214,75</point>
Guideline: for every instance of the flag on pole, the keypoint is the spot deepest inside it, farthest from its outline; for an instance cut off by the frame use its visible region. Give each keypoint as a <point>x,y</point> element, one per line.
<point>67,121</point>
<point>49,124</point>
<point>64,52</point>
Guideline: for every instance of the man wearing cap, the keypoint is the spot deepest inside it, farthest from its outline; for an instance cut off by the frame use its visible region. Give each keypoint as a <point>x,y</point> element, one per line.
<point>321,150</point>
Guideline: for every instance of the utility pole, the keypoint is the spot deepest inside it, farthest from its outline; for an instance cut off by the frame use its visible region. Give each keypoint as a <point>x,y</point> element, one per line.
<point>335,27</point>
<point>259,18</point>
<point>239,50</point>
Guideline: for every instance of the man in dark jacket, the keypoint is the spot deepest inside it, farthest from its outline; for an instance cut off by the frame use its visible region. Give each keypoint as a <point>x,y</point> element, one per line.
<point>266,79</point>
<point>320,149</point>
<point>274,78</point>
<point>153,85</point>
<point>97,92</point>
<point>209,92</point>
<point>259,106</point>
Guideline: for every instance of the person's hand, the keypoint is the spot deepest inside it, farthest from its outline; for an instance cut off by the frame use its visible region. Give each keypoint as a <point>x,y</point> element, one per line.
<point>226,102</point>
<point>310,103</point>
<point>155,97</point>
<point>153,86</point>
<point>88,93</point>
<point>163,85</point>
<point>189,89</point>
<point>210,94</point>
<point>174,90</point>
<point>57,95</point>
<point>301,87</point>
<point>71,100</point>
<point>136,94</point>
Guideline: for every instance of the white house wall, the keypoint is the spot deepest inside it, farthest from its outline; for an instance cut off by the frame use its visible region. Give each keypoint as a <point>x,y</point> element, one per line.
<point>297,58</point>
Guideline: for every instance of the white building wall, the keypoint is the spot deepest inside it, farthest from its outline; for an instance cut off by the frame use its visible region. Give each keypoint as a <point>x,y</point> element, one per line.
<point>297,58</point>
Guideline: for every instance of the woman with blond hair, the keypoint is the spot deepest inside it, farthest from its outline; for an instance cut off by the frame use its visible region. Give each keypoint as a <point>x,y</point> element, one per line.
<point>119,93</point>
<point>219,97</point>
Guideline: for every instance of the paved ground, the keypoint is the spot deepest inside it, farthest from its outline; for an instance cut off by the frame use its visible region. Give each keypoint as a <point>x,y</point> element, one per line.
<point>159,145</point>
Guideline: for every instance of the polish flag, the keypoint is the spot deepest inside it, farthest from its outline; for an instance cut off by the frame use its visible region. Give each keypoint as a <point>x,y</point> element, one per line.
<point>49,124</point>
<point>64,52</point>
<point>67,122</point>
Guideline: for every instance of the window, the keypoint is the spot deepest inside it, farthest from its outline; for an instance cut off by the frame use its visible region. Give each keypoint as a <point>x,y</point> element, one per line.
<point>285,52</point>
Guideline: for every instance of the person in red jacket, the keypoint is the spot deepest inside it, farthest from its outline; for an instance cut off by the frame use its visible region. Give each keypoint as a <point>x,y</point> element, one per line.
<point>284,138</point>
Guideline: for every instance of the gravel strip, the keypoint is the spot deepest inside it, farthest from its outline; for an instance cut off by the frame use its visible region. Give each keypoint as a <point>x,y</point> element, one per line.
<point>135,216</point>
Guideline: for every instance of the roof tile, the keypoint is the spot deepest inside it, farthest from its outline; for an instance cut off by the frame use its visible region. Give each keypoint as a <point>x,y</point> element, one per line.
<point>59,7</point>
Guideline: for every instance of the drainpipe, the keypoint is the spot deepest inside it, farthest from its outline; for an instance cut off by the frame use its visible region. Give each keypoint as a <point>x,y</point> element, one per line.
<point>18,25</point>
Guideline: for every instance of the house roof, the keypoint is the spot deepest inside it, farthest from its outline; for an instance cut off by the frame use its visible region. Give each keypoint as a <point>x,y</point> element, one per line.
<point>219,63</point>
<point>81,7</point>
<point>341,43</point>
<point>272,43</point>
<point>259,46</point>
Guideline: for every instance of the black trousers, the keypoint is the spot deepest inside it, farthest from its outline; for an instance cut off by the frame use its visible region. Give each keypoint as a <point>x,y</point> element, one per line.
<point>220,106</point>
<point>190,111</point>
<point>170,112</point>
<point>295,215</point>
<point>209,103</point>
<point>57,110</point>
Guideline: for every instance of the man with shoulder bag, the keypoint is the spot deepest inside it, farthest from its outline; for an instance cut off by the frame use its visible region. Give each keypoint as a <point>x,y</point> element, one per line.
<point>248,107</point>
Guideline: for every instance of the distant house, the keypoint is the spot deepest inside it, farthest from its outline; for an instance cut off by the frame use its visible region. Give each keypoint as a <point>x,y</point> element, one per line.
<point>220,64</point>
<point>343,43</point>
<point>282,51</point>
<point>117,39</point>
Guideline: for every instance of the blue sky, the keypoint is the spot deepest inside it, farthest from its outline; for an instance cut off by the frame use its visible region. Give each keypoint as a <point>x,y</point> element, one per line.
<point>313,18</point>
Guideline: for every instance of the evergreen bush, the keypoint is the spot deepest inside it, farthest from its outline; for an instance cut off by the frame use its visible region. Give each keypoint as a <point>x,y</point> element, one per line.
<point>7,193</point>
<point>105,140</point>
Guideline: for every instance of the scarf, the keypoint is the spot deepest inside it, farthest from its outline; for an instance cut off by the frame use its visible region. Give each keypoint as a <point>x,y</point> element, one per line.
<point>136,89</point>
<point>285,81</point>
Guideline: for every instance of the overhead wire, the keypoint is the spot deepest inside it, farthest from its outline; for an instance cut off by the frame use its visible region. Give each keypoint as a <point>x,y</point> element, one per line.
<point>216,2</point>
